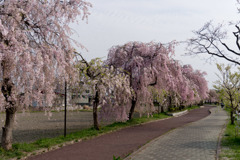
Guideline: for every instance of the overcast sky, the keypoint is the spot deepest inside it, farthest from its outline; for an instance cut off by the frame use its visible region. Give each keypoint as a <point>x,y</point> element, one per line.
<point>116,22</point>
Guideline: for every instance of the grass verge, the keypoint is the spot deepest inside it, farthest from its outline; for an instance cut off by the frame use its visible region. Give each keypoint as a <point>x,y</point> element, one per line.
<point>22,149</point>
<point>193,107</point>
<point>188,108</point>
<point>230,144</point>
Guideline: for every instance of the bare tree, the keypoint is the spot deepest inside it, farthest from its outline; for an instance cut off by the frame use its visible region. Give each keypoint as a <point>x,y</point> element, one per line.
<point>210,39</point>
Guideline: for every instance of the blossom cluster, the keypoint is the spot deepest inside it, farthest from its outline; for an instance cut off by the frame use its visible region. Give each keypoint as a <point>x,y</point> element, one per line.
<point>156,76</point>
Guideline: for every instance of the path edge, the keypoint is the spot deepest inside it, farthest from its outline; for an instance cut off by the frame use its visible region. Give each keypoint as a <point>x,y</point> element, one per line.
<point>218,151</point>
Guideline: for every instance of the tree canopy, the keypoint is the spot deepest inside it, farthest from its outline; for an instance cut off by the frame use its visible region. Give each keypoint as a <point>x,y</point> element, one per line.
<point>151,65</point>
<point>228,86</point>
<point>109,87</point>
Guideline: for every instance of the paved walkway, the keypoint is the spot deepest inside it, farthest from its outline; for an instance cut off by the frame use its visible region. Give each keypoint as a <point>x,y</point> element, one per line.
<point>196,141</point>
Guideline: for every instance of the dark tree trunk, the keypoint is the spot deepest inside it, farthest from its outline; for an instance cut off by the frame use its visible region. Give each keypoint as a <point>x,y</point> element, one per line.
<point>232,109</point>
<point>95,116</point>
<point>170,103</point>
<point>162,109</point>
<point>134,101</point>
<point>8,91</point>
<point>132,109</point>
<point>232,117</point>
<point>7,129</point>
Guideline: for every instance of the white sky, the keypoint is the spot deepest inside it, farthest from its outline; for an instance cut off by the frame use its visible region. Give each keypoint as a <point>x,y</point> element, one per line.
<point>116,22</point>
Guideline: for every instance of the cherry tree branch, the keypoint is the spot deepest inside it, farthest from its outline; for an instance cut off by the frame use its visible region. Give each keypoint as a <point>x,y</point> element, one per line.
<point>209,39</point>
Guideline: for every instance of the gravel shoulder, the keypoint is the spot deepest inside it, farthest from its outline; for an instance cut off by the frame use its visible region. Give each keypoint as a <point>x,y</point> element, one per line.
<point>30,127</point>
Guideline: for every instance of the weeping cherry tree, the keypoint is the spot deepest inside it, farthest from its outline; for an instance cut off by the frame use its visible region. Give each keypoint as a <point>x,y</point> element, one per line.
<point>110,89</point>
<point>146,63</point>
<point>35,49</point>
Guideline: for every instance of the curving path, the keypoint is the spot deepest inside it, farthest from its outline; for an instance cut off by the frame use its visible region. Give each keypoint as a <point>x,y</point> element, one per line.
<point>122,142</point>
<point>196,141</point>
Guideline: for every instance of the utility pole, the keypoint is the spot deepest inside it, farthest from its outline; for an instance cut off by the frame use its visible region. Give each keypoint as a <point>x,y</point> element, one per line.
<point>65,110</point>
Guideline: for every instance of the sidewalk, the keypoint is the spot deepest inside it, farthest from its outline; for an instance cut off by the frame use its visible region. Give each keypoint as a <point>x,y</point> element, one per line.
<point>122,142</point>
<point>196,141</point>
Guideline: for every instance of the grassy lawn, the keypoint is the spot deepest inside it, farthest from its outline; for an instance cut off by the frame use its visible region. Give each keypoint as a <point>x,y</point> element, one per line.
<point>230,144</point>
<point>22,149</point>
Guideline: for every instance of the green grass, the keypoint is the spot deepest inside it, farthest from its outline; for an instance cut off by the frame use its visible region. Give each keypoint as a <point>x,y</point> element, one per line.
<point>230,144</point>
<point>116,158</point>
<point>187,108</point>
<point>193,107</point>
<point>22,149</point>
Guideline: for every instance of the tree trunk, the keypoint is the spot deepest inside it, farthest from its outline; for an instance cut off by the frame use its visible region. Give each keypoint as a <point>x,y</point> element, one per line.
<point>95,116</point>
<point>201,103</point>
<point>162,109</point>
<point>232,109</point>
<point>8,93</point>
<point>170,103</point>
<point>232,117</point>
<point>7,129</point>
<point>132,109</point>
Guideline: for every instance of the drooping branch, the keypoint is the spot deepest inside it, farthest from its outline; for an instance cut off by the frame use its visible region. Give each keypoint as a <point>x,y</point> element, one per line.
<point>154,83</point>
<point>209,39</point>
<point>221,55</point>
<point>236,34</point>
<point>90,74</point>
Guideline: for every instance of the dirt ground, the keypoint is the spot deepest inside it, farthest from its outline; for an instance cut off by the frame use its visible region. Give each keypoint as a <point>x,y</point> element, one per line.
<point>33,126</point>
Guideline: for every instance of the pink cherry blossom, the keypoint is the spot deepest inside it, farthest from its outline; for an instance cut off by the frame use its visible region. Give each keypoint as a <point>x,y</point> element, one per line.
<point>35,49</point>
